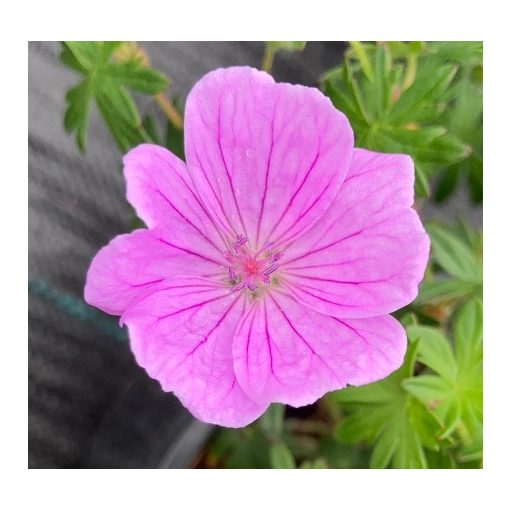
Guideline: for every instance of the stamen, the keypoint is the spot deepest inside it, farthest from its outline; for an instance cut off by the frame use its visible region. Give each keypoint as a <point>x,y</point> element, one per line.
<point>228,256</point>
<point>241,239</point>
<point>271,269</point>
<point>276,256</point>
<point>232,273</point>
<point>239,286</point>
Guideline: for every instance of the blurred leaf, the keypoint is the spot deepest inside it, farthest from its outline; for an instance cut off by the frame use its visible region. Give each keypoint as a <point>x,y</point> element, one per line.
<point>443,150</point>
<point>251,452</point>
<point>468,335</point>
<point>437,291</point>
<point>359,51</point>
<point>271,422</point>
<point>286,45</point>
<point>377,90</point>
<point>69,59</point>
<point>442,459</point>
<point>458,51</point>
<point>388,419</point>
<point>426,426</point>
<point>453,255</point>
<point>341,456</point>
<point>447,183</point>
<point>421,183</point>
<point>434,351</point>
<point>319,463</point>
<point>430,389</point>
<point>174,139</point>
<point>280,457</point>
<point>150,128</point>
<point>464,119</point>
<point>383,451</point>
<point>76,115</point>
<point>430,84</point>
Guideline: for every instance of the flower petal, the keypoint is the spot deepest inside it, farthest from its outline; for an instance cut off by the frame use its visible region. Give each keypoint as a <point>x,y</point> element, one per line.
<point>182,335</point>
<point>132,264</point>
<point>368,253</point>
<point>160,190</point>
<point>267,158</point>
<point>286,352</point>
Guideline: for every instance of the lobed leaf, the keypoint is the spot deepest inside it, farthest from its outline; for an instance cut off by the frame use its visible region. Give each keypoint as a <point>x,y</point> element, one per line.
<point>453,255</point>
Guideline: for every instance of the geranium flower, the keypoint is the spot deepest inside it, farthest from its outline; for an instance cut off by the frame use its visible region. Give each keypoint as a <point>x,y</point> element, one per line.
<point>272,258</point>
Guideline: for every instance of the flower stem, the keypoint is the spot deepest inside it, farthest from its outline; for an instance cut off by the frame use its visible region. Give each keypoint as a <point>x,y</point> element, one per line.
<point>169,110</point>
<point>267,59</point>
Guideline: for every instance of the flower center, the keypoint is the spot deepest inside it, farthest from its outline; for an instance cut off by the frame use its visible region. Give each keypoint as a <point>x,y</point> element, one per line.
<point>249,270</point>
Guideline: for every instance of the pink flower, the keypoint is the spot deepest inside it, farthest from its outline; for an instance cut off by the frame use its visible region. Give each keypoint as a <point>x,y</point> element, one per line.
<point>272,258</point>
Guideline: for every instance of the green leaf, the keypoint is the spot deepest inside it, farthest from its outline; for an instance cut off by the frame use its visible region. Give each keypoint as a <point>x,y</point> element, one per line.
<point>76,115</point>
<point>449,415</point>
<point>468,335</point>
<point>424,107</point>
<point>106,83</point>
<point>252,451</point>
<point>409,138</point>
<point>84,52</point>
<point>377,90</point>
<point>454,396</point>
<point>475,178</point>
<point>443,150</point>
<point>409,453</point>
<point>149,126</point>
<point>354,91</point>
<point>427,87</point>
<point>434,351</point>
<point>120,114</point>
<point>319,463</point>
<point>454,256</point>
<point>421,183</point>
<point>174,140</point>
<point>425,424</point>
<point>132,75</point>
<point>363,424</point>
<point>280,457</point>
<point>437,291</point>
<point>447,183</point>
<point>359,51</point>
<point>458,51</point>
<point>68,59</point>
<point>442,459</point>
<point>388,419</point>
<point>429,389</point>
<point>271,422</point>
<point>383,451</point>
<point>342,100</point>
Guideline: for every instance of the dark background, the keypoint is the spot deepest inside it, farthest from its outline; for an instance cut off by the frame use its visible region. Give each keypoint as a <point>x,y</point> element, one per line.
<point>90,405</point>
